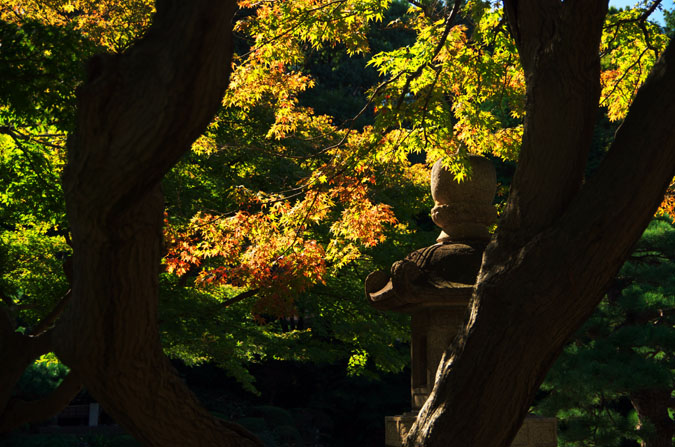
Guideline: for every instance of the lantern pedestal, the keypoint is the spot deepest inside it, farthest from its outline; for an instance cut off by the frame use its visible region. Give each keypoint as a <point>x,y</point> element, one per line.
<point>434,285</point>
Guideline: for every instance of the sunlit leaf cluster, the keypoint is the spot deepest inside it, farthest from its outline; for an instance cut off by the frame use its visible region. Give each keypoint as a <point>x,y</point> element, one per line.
<point>112,24</point>
<point>629,48</point>
<point>280,251</point>
<point>316,22</point>
<point>326,214</point>
<point>458,89</point>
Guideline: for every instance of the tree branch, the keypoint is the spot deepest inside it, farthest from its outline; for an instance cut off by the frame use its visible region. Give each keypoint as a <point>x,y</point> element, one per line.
<point>560,97</point>
<point>52,316</point>
<point>240,297</point>
<point>645,173</point>
<point>6,314</point>
<point>178,82</point>
<point>449,20</point>
<point>17,351</point>
<point>19,412</point>
<point>641,23</point>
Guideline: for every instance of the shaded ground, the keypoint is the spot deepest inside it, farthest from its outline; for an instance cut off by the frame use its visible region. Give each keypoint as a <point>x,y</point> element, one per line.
<point>298,405</point>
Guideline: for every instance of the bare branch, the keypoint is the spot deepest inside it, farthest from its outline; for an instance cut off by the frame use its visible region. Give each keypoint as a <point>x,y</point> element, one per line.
<point>18,351</point>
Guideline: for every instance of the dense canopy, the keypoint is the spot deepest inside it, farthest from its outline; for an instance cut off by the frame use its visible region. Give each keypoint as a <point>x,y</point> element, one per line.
<point>222,197</point>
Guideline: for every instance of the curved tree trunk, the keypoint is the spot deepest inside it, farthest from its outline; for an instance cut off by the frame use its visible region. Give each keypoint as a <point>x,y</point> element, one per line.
<point>138,112</point>
<point>561,241</point>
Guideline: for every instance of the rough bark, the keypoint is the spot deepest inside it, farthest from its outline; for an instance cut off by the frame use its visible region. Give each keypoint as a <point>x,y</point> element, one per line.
<point>138,112</point>
<point>652,407</point>
<point>561,240</point>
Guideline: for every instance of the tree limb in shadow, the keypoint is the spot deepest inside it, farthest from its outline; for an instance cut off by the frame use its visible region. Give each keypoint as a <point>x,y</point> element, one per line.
<point>19,412</point>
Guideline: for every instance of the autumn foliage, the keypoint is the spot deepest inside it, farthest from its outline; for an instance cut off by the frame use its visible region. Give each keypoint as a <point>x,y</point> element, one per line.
<point>112,24</point>
<point>277,200</point>
<point>456,90</point>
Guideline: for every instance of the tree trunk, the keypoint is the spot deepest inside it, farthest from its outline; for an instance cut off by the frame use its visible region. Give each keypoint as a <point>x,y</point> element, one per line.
<point>561,241</point>
<point>138,112</point>
<point>652,407</point>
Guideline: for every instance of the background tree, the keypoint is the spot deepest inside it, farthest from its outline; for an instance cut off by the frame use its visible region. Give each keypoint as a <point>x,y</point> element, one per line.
<point>457,87</point>
<point>193,44</point>
<point>286,226</point>
<point>622,356</point>
<point>241,144</point>
<point>261,341</point>
<point>558,245</point>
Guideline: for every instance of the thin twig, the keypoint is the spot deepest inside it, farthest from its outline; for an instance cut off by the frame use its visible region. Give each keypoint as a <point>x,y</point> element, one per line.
<point>439,46</point>
<point>625,73</point>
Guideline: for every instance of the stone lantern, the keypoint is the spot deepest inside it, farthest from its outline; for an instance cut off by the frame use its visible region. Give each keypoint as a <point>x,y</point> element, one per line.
<point>434,285</point>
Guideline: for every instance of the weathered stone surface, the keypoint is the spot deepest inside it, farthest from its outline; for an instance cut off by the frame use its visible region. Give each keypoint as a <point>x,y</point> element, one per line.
<point>433,329</point>
<point>463,221</point>
<point>481,187</point>
<point>434,284</point>
<point>439,275</point>
<point>396,428</point>
<point>449,264</point>
<point>464,210</point>
<point>537,432</point>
